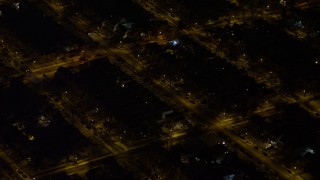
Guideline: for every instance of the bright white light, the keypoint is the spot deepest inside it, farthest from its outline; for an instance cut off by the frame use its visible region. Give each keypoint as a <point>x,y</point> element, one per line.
<point>174,42</point>
<point>310,150</point>
<point>229,177</point>
<point>283,2</point>
<point>16,5</point>
<point>298,24</point>
<point>43,121</point>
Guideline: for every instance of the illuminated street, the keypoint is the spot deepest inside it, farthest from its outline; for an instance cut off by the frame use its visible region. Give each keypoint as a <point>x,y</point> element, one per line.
<point>146,89</point>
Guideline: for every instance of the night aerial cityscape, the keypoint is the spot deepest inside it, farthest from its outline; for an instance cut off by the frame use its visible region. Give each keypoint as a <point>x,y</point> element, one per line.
<point>159,89</point>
